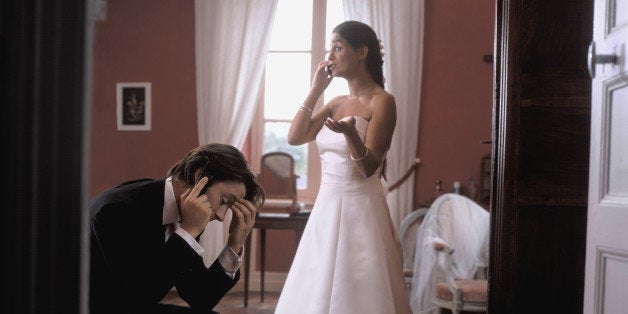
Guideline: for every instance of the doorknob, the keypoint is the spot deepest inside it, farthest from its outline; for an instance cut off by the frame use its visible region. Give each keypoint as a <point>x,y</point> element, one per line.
<point>593,59</point>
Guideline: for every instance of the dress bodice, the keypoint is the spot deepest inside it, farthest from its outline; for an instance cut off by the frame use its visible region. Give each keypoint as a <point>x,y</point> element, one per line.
<point>336,163</point>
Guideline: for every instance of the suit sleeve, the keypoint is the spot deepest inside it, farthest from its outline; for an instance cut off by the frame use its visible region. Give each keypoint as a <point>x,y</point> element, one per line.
<point>145,267</point>
<point>201,287</point>
<point>135,261</point>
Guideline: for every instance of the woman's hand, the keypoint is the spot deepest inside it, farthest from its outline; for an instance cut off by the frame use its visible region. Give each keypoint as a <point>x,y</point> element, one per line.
<point>345,125</point>
<point>321,78</point>
<point>241,223</point>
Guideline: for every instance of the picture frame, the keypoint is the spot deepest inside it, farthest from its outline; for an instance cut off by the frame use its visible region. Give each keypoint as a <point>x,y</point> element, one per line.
<point>133,101</point>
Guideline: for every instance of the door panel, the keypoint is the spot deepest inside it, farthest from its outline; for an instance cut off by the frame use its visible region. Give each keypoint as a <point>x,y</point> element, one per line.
<point>618,155</point>
<point>607,236</point>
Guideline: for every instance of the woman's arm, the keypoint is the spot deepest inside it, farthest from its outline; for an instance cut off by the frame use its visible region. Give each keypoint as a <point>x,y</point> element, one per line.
<point>368,155</point>
<point>306,124</point>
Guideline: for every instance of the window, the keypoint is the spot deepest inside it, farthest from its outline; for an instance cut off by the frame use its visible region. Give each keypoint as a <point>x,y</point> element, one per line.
<point>299,41</point>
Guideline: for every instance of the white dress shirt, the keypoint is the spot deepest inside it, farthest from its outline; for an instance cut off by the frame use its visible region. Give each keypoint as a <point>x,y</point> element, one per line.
<point>228,259</point>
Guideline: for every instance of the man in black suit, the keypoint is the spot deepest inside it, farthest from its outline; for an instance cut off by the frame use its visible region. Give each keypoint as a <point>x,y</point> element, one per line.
<point>144,234</point>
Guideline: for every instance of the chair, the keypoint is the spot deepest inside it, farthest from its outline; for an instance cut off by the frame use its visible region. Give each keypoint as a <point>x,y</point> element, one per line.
<point>407,234</point>
<point>457,295</point>
<point>451,257</point>
<point>279,182</point>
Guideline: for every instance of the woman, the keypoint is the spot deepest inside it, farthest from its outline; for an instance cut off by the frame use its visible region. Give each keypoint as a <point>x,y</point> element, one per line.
<point>349,259</point>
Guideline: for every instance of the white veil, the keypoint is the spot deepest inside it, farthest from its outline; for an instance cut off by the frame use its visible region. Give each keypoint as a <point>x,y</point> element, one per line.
<point>463,225</point>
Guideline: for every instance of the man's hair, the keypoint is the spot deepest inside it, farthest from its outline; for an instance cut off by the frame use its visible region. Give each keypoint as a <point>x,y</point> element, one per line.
<point>220,163</point>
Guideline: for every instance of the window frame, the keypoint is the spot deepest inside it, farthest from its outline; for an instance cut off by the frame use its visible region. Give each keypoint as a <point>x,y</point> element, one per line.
<point>317,53</point>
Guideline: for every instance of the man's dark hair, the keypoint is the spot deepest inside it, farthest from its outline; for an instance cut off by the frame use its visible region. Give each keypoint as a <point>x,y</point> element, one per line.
<point>220,162</point>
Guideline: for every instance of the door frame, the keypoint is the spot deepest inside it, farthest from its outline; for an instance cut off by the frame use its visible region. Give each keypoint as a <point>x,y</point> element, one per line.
<point>538,240</point>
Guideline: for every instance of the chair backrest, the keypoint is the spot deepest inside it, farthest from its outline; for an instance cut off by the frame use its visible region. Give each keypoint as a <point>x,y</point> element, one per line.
<point>459,223</point>
<point>464,225</point>
<point>278,179</point>
<point>407,234</point>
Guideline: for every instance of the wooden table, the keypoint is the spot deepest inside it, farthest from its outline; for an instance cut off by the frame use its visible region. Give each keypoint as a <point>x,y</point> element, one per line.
<point>265,221</point>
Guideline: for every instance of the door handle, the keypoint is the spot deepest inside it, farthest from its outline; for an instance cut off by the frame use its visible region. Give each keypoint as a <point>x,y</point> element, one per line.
<point>593,59</point>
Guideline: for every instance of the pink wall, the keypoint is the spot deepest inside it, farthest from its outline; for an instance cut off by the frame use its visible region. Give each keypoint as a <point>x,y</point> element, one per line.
<point>153,41</point>
<point>456,100</point>
<point>143,41</point>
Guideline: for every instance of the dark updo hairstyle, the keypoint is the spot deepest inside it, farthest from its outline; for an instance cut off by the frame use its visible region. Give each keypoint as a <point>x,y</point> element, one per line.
<point>358,34</point>
<point>220,162</point>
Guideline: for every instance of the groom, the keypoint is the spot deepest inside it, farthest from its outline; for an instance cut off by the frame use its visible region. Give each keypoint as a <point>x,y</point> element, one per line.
<point>144,234</point>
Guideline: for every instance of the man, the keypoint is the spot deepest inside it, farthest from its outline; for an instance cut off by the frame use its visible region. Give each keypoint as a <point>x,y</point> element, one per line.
<point>144,234</point>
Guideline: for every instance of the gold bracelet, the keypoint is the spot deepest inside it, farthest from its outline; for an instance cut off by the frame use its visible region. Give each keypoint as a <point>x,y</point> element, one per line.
<point>358,159</point>
<point>306,108</point>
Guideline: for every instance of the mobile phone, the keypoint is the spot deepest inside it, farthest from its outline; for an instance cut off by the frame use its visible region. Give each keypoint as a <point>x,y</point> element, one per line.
<point>328,70</point>
<point>204,189</point>
<point>209,178</point>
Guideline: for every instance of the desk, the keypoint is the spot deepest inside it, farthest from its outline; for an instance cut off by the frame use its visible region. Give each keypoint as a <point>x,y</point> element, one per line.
<point>294,221</point>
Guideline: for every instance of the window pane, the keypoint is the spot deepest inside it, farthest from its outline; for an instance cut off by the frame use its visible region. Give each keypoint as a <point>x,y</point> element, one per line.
<point>275,139</point>
<point>338,86</point>
<point>287,84</point>
<point>292,29</point>
<point>335,16</point>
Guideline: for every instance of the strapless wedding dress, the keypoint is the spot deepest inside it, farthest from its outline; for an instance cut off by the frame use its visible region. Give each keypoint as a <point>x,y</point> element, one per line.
<point>349,259</point>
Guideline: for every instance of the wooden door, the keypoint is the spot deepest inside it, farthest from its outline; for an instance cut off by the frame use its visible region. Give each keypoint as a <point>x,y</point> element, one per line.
<point>606,274</point>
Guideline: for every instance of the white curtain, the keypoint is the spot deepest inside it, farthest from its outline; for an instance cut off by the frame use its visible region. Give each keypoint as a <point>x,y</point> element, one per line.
<point>232,39</point>
<point>399,24</point>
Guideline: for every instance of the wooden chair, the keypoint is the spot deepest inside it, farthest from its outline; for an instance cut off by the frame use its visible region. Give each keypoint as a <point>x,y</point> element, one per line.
<point>458,294</point>
<point>407,235</point>
<point>279,181</point>
<point>450,264</point>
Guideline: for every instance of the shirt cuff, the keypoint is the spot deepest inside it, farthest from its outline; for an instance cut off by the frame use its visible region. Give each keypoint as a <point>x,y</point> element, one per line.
<point>190,240</point>
<point>230,261</point>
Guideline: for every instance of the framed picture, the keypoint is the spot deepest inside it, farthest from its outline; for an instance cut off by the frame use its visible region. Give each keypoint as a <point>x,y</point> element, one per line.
<point>133,106</point>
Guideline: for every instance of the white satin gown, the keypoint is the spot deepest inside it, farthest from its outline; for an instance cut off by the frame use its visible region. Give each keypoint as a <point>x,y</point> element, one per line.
<point>349,259</point>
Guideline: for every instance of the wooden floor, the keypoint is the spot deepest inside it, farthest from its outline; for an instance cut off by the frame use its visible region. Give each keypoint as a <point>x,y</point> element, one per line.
<point>233,303</point>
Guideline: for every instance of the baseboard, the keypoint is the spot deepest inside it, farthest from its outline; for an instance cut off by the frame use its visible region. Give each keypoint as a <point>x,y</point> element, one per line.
<point>273,282</point>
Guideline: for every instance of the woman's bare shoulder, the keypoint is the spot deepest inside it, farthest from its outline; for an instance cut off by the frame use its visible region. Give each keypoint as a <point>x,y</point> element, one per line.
<point>382,100</point>
<point>336,102</point>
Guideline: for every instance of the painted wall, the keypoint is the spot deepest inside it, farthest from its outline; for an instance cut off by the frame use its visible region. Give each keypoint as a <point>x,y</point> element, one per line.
<point>456,94</point>
<point>143,41</point>
<point>153,41</point>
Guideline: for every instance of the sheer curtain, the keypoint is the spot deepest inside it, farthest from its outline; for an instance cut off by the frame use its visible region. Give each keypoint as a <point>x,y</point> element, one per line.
<point>399,24</point>
<point>231,44</point>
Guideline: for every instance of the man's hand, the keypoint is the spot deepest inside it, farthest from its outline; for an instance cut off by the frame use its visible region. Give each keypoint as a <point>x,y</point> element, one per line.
<point>241,223</point>
<point>195,209</point>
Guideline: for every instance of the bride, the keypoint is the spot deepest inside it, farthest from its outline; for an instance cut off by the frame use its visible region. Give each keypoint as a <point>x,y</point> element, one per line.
<point>349,259</point>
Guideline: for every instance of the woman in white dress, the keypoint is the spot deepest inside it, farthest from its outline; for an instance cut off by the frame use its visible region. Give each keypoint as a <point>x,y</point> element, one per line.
<point>349,259</point>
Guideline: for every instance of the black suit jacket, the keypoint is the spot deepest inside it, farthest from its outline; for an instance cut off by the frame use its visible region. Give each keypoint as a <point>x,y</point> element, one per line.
<point>132,267</point>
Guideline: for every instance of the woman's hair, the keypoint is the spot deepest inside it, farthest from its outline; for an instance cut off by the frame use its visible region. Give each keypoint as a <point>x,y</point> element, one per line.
<point>358,34</point>
<point>219,162</point>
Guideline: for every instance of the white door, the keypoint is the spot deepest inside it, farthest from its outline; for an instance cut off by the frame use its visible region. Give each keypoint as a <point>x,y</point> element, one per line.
<point>606,272</point>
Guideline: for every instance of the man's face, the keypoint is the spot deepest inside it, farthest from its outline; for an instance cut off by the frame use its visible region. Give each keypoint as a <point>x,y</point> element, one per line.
<point>222,195</point>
